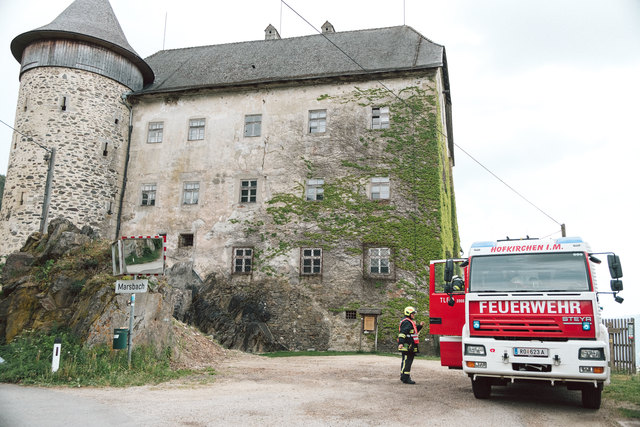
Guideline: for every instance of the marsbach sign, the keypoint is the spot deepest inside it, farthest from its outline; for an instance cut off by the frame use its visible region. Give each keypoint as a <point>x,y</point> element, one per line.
<point>131,286</point>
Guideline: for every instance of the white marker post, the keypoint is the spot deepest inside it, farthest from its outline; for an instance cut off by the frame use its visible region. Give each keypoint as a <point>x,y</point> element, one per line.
<point>55,360</point>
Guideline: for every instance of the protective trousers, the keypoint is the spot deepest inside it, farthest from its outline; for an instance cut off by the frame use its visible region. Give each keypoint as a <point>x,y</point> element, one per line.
<point>407,361</point>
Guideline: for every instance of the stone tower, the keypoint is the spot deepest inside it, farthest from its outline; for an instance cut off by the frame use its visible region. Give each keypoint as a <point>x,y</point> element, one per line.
<point>69,151</point>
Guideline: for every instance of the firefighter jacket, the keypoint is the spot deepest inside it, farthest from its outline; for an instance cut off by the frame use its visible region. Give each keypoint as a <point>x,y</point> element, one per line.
<point>408,334</point>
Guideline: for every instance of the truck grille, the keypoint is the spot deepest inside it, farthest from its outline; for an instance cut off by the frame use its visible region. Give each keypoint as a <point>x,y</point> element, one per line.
<point>516,326</point>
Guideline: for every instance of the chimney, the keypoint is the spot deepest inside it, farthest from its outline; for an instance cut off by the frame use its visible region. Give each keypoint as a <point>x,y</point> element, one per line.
<point>327,28</point>
<point>270,33</point>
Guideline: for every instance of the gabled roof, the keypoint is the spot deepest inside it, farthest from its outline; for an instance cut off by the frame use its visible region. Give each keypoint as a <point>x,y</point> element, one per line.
<point>290,59</point>
<point>92,21</point>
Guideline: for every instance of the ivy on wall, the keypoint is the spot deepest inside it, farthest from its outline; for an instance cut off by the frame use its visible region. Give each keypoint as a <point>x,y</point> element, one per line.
<point>419,222</point>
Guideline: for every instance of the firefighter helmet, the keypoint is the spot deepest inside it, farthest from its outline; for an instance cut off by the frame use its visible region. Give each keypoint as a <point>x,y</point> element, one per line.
<point>409,310</point>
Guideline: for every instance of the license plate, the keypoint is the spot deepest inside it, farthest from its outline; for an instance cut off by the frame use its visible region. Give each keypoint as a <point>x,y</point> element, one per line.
<point>531,352</point>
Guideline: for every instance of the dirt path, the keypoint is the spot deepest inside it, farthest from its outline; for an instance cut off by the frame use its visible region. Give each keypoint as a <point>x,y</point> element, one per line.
<point>331,390</point>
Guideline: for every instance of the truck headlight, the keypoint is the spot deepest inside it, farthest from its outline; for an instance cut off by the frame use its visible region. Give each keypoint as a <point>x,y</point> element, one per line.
<point>591,354</point>
<point>474,350</point>
<point>591,370</point>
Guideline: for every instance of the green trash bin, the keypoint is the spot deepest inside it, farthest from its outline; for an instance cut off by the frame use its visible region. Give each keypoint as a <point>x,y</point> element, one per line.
<point>120,338</point>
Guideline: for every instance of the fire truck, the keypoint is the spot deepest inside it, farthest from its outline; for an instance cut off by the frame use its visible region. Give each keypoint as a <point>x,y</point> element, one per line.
<point>524,310</point>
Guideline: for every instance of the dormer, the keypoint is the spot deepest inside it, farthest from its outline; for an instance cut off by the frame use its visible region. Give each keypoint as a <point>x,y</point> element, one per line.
<point>270,33</point>
<point>327,28</point>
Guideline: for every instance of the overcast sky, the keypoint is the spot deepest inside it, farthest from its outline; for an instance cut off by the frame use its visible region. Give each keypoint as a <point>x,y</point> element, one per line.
<point>546,95</point>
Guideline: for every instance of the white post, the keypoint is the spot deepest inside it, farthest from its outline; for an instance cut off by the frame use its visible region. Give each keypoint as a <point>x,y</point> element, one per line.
<point>55,360</point>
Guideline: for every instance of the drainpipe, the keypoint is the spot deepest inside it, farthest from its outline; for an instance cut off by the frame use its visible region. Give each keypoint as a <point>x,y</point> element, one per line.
<point>126,165</point>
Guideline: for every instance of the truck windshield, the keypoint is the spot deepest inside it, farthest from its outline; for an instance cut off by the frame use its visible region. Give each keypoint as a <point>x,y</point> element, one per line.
<point>551,272</point>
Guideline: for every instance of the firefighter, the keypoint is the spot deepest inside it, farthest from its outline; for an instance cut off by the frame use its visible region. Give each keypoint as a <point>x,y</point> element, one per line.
<point>458,283</point>
<point>408,343</point>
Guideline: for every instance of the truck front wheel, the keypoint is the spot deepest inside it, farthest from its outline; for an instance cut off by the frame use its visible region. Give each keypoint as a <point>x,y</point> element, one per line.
<point>592,396</point>
<point>481,387</point>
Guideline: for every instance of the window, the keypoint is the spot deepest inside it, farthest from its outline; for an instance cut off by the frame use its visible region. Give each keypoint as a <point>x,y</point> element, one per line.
<point>379,260</point>
<point>252,125</point>
<point>196,129</point>
<point>155,132</point>
<point>350,315</point>
<point>148,195</point>
<point>242,260</point>
<point>190,193</point>
<point>380,118</point>
<point>317,121</point>
<point>248,190</point>
<point>379,188</point>
<point>314,189</point>
<point>185,240</point>
<point>311,261</point>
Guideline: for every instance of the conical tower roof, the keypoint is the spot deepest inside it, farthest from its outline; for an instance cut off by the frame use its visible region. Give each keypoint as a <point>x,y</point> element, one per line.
<point>87,20</point>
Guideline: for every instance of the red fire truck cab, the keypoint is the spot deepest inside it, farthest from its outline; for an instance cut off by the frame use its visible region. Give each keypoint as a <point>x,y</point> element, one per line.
<point>519,310</point>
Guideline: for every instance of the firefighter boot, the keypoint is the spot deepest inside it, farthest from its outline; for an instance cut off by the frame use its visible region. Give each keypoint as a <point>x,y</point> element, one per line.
<point>405,378</point>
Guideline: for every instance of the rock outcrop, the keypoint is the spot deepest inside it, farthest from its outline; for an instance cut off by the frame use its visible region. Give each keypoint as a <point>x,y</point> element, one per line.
<point>63,279</point>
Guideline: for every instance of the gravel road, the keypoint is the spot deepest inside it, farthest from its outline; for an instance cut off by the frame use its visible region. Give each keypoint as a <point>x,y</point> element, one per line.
<point>252,390</point>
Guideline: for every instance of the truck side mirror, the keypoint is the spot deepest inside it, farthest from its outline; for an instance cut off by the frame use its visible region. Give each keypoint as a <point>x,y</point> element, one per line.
<point>616,285</point>
<point>448,270</point>
<point>615,268</point>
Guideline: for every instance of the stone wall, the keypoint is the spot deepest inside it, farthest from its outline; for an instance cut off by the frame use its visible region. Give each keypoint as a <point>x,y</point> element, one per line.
<point>82,116</point>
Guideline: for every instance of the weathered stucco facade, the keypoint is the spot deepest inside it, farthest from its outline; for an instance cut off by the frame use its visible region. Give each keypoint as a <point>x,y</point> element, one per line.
<point>294,186</point>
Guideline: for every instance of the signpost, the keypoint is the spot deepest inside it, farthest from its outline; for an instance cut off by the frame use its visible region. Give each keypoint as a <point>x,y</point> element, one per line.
<point>137,256</point>
<point>132,287</point>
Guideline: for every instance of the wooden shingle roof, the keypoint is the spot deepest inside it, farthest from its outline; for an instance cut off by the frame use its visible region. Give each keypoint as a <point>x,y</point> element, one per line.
<point>91,21</point>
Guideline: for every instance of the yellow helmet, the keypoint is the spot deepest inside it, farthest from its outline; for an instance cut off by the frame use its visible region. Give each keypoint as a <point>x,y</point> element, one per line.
<point>409,310</point>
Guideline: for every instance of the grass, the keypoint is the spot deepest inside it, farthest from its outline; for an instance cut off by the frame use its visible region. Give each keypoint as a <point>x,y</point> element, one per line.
<point>28,361</point>
<point>625,389</point>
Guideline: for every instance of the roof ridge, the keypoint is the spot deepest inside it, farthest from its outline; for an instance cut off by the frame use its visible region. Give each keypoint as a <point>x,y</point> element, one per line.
<point>284,39</point>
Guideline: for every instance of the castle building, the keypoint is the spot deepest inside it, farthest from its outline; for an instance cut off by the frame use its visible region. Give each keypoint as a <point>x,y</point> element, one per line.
<point>311,175</point>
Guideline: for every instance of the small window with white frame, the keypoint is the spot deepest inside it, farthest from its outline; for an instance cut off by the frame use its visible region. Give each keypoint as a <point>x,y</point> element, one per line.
<point>379,261</point>
<point>315,190</point>
<point>317,121</point>
<point>148,195</point>
<point>248,190</point>
<point>196,129</point>
<point>379,188</point>
<point>242,260</point>
<point>310,261</point>
<point>252,125</point>
<point>380,118</point>
<point>155,132</point>
<point>190,193</point>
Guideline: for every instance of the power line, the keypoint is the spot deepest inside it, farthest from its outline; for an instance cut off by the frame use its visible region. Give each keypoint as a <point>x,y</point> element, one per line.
<point>29,138</point>
<point>507,185</point>
<point>415,113</point>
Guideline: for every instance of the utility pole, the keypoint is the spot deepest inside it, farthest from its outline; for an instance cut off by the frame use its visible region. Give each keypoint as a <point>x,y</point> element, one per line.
<point>50,156</point>
<point>564,230</point>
